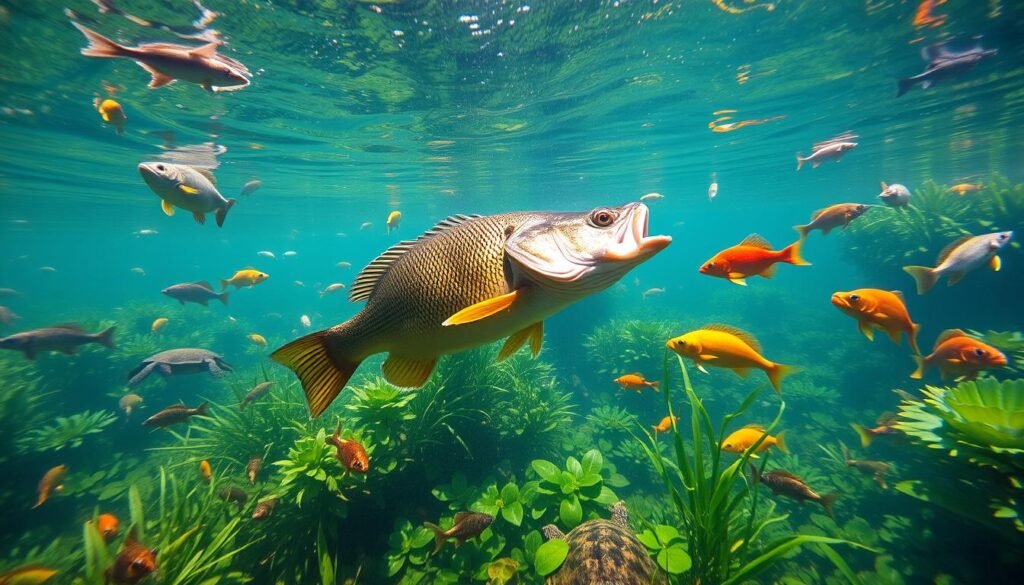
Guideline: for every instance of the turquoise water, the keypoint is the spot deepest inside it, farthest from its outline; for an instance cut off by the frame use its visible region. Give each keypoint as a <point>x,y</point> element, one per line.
<point>358,109</point>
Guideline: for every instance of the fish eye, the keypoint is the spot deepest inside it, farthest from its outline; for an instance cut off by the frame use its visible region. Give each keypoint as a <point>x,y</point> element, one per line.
<point>138,563</point>
<point>160,167</point>
<point>602,218</point>
<point>980,352</point>
<point>854,298</point>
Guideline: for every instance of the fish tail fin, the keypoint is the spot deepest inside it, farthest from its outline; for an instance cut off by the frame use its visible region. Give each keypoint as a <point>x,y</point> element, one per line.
<point>106,337</point>
<point>779,372</point>
<point>223,297</point>
<point>99,45</point>
<point>912,338</point>
<point>799,161</point>
<point>802,230</point>
<point>203,409</point>
<point>223,285</point>
<point>755,475</point>
<point>827,500</point>
<point>865,436</point>
<point>922,365</point>
<point>904,86</point>
<point>654,386</point>
<point>780,442</point>
<point>791,253</point>
<point>222,212</point>
<point>439,536</point>
<point>924,277</point>
<point>322,369</point>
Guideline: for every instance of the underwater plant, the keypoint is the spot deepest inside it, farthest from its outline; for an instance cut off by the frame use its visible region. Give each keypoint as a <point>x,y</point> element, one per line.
<point>68,431</point>
<point>623,346</point>
<point>976,430</point>
<point>717,509</point>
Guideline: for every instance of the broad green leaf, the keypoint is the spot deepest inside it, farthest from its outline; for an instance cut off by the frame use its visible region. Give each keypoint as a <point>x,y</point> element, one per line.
<point>547,470</point>
<point>550,556</point>
<point>573,466</point>
<point>509,493</point>
<point>570,511</point>
<point>666,534</point>
<point>674,559</point>
<point>592,462</point>
<point>513,513</point>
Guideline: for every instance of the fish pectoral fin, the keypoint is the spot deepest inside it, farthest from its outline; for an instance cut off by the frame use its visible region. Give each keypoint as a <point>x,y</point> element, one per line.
<point>165,370</point>
<point>866,329</point>
<point>167,206</point>
<point>995,263</point>
<point>701,367</point>
<point>105,116</point>
<point>188,190</point>
<point>159,79</point>
<point>770,271</point>
<point>738,280</point>
<point>407,372</point>
<point>742,372</point>
<point>536,338</point>
<point>954,277</point>
<point>706,357</point>
<point>199,216</point>
<point>207,50</point>
<point>483,309</point>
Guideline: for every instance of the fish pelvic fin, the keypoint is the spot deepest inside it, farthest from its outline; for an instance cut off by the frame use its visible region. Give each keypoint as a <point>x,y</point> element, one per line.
<point>439,536</point>
<point>99,45</point>
<point>780,442</point>
<point>827,500</point>
<point>791,254</point>
<point>321,369</point>
<point>865,437</point>
<point>922,365</point>
<point>924,277</point>
<point>777,373</point>
<point>222,212</point>
<point>106,337</point>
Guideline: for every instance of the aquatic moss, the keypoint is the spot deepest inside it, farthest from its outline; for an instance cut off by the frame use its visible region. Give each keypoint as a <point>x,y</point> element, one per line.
<point>68,431</point>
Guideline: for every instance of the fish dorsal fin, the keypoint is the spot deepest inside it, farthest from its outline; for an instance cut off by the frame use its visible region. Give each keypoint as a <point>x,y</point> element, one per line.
<point>784,473</point>
<point>818,213</point>
<point>208,174</point>
<point>756,241</point>
<point>368,278</point>
<point>949,334</point>
<point>899,294</point>
<point>755,426</point>
<point>247,268</point>
<point>949,249</point>
<point>71,326</point>
<point>208,50</point>
<point>460,516</point>
<point>204,284</point>
<point>745,337</point>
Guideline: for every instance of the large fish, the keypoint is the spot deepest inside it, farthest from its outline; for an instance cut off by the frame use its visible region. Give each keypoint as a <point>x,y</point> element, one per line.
<point>962,256</point>
<point>468,281</point>
<point>192,189</point>
<point>62,338</point>
<point>945,63</point>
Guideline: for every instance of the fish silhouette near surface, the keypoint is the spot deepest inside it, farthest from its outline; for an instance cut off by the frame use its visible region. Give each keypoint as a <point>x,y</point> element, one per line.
<point>945,63</point>
<point>468,281</point>
<point>832,149</point>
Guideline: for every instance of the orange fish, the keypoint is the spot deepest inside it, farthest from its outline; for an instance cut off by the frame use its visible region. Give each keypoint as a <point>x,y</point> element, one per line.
<point>839,215</point>
<point>665,424</point>
<point>751,257</point>
<point>965,188</point>
<point>133,564</point>
<point>883,426</point>
<point>923,15</point>
<point>635,382</point>
<point>881,309</point>
<point>108,526</point>
<point>53,481</point>
<point>958,355</point>
<point>742,439</point>
<point>204,471</point>
<point>350,452</point>
<point>727,347</point>
<point>112,113</point>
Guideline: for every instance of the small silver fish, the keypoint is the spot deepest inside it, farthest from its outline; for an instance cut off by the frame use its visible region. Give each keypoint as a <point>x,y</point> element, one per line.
<point>712,190</point>
<point>344,264</point>
<point>145,233</point>
<point>652,197</point>
<point>266,254</point>
<point>305,321</point>
<point>832,149</point>
<point>138,271</point>
<point>959,258</point>
<point>250,187</point>
<point>290,253</point>
<point>366,225</point>
<point>332,288</point>
<point>652,292</point>
<point>49,269</point>
<point>300,284</point>
<point>192,189</point>
<point>895,195</point>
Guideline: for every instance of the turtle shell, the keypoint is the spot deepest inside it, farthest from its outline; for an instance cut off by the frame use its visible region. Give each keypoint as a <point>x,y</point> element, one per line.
<point>605,551</point>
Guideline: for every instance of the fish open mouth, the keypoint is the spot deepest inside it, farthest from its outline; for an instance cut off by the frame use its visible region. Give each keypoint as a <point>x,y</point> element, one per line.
<point>633,242</point>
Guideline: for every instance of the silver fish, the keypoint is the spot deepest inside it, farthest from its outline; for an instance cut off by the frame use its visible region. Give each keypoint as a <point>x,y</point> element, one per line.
<point>332,288</point>
<point>188,188</point>
<point>195,292</point>
<point>959,258</point>
<point>825,151</point>
<point>944,63</point>
<point>250,187</point>
<point>895,195</point>
<point>62,338</point>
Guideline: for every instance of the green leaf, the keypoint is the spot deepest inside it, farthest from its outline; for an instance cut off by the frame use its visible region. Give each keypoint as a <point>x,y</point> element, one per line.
<point>550,556</point>
<point>573,466</point>
<point>674,559</point>
<point>513,513</point>
<point>592,461</point>
<point>547,470</point>
<point>509,493</point>
<point>648,539</point>
<point>570,511</point>
<point>607,497</point>
<point>666,534</point>
<point>589,479</point>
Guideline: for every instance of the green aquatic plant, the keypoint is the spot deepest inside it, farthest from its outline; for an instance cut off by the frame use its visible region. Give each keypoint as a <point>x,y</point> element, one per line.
<point>717,509</point>
<point>668,547</point>
<point>978,423</point>
<point>571,494</point>
<point>1001,204</point>
<point>612,419</point>
<point>24,406</point>
<point>624,346</point>
<point>528,403</point>
<point>68,431</point>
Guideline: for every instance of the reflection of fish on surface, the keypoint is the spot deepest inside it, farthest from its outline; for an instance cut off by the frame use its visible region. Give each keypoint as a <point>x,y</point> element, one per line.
<point>720,125</point>
<point>945,63</point>
<point>728,8</point>
<point>468,281</point>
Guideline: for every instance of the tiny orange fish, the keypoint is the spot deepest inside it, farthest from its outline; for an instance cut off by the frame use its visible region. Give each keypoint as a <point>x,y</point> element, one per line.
<point>751,257</point>
<point>958,355</point>
<point>965,188</point>
<point>665,424</point>
<point>723,346</point>
<point>742,439</point>
<point>53,481</point>
<point>635,382</point>
<point>839,215</point>
<point>133,564</point>
<point>883,426</point>
<point>350,453</point>
<point>923,16</point>
<point>258,339</point>
<point>108,526</point>
<point>205,472</point>
<point>882,309</point>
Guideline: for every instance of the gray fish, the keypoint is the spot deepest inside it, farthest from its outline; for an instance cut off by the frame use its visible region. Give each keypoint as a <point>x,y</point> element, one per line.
<point>250,187</point>
<point>62,338</point>
<point>168,62</point>
<point>786,484</point>
<point>824,152</point>
<point>180,361</point>
<point>895,195</point>
<point>255,394</point>
<point>466,525</point>
<point>468,281</point>
<point>195,292</point>
<point>9,292</point>
<point>944,64</point>
<point>7,316</point>
<point>173,415</point>
<point>959,258</point>
<point>192,189</point>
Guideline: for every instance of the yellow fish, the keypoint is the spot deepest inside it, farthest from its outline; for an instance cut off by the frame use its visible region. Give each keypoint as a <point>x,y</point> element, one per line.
<point>741,440</point>
<point>27,575</point>
<point>723,346</point>
<point>258,339</point>
<point>158,324</point>
<point>394,219</point>
<point>112,113</point>
<point>244,277</point>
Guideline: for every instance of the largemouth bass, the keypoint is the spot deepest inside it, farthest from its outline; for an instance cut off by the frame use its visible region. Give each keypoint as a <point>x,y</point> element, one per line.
<point>468,281</point>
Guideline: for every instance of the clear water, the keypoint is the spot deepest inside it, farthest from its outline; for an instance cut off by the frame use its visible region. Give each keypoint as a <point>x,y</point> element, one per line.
<point>435,108</point>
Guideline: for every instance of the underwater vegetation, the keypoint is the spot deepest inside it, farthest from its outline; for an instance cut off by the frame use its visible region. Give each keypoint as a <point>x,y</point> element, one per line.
<point>974,433</point>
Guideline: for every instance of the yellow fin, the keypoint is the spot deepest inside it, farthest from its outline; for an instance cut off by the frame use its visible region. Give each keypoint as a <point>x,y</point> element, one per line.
<point>770,271</point>
<point>865,328</point>
<point>742,372</point>
<point>322,370</point>
<point>536,337</point>
<point>167,206</point>
<point>513,343</point>
<point>482,310</point>
<point>756,241</point>
<point>407,372</point>
<point>738,280</point>
<point>995,263</point>
<point>105,116</point>
<point>188,190</point>
<point>744,336</point>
